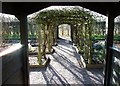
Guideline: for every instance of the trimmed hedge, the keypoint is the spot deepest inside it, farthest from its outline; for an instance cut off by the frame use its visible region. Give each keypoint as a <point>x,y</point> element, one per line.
<point>102,37</point>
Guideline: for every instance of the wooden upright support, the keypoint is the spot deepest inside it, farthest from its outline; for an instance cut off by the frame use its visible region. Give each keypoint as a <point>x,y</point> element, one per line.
<point>109,53</point>
<point>40,44</point>
<point>24,41</point>
<point>72,33</point>
<point>49,38</point>
<point>57,32</point>
<point>75,34</point>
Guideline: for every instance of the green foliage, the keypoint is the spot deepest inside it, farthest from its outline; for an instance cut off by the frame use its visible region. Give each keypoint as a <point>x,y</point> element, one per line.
<point>99,53</point>
<point>11,37</point>
<point>98,37</point>
<point>64,14</point>
<point>102,37</point>
<point>16,37</point>
<point>116,37</point>
<point>81,20</point>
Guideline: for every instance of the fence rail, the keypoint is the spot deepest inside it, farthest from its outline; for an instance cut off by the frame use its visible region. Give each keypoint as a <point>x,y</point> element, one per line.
<point>115,72</point>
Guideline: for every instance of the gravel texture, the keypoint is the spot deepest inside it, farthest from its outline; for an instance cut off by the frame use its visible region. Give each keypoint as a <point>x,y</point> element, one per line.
<point>65,70</point>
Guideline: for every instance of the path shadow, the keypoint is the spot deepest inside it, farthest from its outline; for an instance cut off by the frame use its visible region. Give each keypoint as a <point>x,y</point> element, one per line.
<point>76,71</point>
<point>53,76</point>
<point>69,65</point>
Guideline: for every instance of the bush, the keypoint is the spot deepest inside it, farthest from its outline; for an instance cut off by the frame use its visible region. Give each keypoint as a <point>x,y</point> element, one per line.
<point>117,38</point>
<point>98,52</point>
<point>98,37</point>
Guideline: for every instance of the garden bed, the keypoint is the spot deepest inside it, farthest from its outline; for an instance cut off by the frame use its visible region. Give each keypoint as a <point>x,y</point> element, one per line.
<point>35,52</point>
<point>85,63</point>
<point>33,62</point>
<point>89,66</point>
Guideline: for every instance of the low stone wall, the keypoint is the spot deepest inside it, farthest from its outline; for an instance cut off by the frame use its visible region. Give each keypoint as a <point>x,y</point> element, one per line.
<point>12,65</point>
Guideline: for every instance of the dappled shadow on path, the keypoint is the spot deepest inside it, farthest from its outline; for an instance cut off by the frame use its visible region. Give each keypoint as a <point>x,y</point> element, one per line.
<point>65,70</point>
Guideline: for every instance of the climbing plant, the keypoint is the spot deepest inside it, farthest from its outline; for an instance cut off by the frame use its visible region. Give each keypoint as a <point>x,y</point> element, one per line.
<point>80,20</point>
<point>9,30</point>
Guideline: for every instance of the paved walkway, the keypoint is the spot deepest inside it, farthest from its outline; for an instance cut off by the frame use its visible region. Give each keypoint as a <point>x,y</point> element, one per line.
<point>64,69</point>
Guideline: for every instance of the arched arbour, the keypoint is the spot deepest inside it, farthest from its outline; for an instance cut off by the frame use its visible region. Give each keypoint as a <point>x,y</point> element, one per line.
<point>80,20</point>
<point>116,36</point>
<point>117,25</point>
<point>70,23</point>
<point>81,35</point>
<point>64,31</point>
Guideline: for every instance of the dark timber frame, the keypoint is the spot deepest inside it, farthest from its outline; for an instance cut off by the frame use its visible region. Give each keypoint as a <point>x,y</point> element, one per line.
<point>24,41</point>
<point>21,10</point>
<point>109,44</point>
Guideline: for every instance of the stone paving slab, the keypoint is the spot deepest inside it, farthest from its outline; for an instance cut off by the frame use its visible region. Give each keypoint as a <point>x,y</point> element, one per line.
<point>65,70</point>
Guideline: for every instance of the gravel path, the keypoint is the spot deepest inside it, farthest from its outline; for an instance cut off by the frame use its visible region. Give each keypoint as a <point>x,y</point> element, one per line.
<point>65,70</point>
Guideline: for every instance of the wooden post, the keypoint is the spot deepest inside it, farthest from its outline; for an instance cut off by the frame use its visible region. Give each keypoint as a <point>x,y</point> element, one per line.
<point>40,44</point>
<point>85,43</point>
<point>45,41</point>
<point>76,35</point>
<point>53,34</point>
<point>49,38</point>
<point>90,43</point>
<point>82,37</point>
<point>108,52</point>
<point>57,32</point>
<point>24,41</point>
<point>72,33</point>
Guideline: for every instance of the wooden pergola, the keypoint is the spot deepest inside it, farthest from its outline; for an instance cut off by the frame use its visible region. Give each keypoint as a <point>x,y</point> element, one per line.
<point>22,9</point>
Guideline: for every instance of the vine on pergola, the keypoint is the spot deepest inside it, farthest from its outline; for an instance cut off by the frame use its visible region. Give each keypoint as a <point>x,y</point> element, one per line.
<point>80,20</point>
